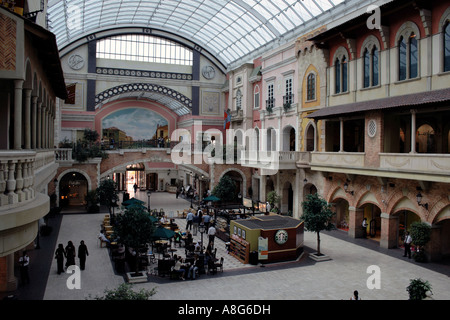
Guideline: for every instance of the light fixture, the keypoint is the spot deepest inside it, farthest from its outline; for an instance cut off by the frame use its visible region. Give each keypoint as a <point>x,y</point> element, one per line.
<point>419,201</point>
<point>305,180</point>
<point>346,187</point>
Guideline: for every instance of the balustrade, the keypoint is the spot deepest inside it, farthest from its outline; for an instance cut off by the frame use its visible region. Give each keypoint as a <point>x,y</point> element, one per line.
<point>16,177</point>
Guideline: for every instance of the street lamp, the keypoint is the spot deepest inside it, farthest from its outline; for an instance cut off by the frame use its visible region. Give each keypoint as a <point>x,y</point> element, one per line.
<point>148,202</point>
<point>201,228</point>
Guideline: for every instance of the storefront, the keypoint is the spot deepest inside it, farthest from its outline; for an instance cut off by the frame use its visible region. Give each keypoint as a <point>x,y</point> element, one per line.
<point>266,238</point>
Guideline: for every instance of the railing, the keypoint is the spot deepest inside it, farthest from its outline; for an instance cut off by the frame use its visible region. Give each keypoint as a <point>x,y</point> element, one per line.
<point>17,176</point>
<point>63,154</point>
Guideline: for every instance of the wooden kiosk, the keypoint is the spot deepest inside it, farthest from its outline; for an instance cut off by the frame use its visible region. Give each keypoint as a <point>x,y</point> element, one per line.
<point>272,237</point>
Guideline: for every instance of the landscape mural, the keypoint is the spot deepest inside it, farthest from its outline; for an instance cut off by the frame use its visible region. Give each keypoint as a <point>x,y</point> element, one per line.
<point>134,124</point>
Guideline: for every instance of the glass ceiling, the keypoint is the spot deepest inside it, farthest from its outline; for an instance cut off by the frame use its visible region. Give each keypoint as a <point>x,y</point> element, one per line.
<point>228,29</point>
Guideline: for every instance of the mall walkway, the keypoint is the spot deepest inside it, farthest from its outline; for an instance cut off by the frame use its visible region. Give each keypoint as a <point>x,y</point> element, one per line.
<point>304,279</point>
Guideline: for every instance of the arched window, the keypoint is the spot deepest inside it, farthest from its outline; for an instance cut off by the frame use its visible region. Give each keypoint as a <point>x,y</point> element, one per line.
<point>238,100</point>
<point>256,97</point>
<point>311,87</point>
<point>413,57</point>
<point>447,47</point>
<point>366,68</point>
<point>375,67</point>
<point>344,74</point>
<point>408,56</point>
<point>402,59</point>
<point>371,66</point>
<point>337,73</point>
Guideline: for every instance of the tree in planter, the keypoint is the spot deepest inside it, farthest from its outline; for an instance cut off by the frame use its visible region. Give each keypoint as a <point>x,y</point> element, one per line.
<point>418,289</point>
<point>421,235</point>
<point>274,199</point>
<point>125,292</point>
<point>107,193</point>
<point>225,190</point>
<point>92,201</point>
<point>135,229</point>
<point>317,216</point>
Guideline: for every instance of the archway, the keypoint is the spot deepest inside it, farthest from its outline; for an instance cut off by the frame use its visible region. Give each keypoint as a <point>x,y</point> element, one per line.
<point>373,215</point>
<point>73,187</point>
<point>405,219</point>
<point>289,139</point>
<point>135,175</point>
<point>310,138</point>
<point>287,200</point>
<point>239,182</point>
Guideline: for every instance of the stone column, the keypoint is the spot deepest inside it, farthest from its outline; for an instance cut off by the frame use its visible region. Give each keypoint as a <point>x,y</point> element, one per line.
<point>389,231</point>
<point>18,84</point>
<point>413,131</point>
<point>39,126</point>
<point>355,224</point>
<point>34,111</point>
<point>27,123</point>
<point>341,135</point>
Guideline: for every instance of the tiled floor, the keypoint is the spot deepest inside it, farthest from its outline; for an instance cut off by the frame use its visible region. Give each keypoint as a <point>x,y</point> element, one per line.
<point>304,279</point>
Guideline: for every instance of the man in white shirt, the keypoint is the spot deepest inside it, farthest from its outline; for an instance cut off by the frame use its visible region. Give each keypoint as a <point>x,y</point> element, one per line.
<point>24,261</point>
<point>211,235</point>
<point>407,245</point>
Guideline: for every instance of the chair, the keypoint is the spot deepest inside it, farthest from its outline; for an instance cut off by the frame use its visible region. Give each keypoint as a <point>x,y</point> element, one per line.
<point>219,266</point>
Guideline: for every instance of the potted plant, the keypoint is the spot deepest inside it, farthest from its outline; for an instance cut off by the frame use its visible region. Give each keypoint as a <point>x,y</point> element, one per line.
<point>421,235</point>
<point>134,229</point>
<point>274,199</point>
<point>125,292</point>
<point>418,289</point>
<point>317,216</point>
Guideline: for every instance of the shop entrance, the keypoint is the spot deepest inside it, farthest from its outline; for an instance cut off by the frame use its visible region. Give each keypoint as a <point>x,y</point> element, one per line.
<point>73,189</point>
<point>373,215</point>
<point>152,181</point>
<point>135,175</point>
<point>405,219</point>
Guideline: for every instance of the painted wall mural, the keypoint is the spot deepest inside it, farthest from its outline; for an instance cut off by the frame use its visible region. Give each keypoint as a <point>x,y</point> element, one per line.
<point>134,124</point>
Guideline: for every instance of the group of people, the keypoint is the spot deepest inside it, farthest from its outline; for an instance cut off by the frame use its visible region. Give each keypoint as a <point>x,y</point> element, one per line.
<point>188,270</point>
<point>69,253</point>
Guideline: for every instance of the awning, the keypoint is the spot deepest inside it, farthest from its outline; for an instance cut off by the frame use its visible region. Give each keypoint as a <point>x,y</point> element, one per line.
<point>404,101</point>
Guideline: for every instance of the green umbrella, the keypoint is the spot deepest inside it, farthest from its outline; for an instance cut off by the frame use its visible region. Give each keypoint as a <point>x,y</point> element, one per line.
<point>163,233</point>
<point>132,201</point>
<point>211,198</point>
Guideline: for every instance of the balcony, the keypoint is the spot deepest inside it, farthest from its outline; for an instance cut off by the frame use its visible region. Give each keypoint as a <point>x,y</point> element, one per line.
<point>23,174</point>
<point>426,167</point>
<point>276,160</point>
<point>237,115</point>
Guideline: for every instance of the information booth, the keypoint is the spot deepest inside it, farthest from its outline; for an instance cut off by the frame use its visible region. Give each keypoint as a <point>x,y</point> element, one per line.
<point>267,238</point>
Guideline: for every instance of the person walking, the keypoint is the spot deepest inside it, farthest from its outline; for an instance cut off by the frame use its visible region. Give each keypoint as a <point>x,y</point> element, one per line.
<point>211,235</point>
<point>82,254</point>
<point>60,254</point>
<point>196,222</point>
<point>364,227</point>
<point>407,245</point>
<point>70,254</point>
<point>206,220</point>
<point>24,261</point>
<point>189,220</point>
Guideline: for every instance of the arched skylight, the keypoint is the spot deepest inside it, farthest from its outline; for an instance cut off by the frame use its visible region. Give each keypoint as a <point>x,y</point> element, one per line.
<point>228,29</point>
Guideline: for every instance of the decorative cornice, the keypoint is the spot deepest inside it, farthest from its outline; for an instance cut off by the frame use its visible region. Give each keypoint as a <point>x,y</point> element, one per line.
<point>143,73</point>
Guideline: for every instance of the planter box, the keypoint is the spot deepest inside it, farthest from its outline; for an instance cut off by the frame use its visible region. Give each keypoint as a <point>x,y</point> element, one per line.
<point>321,257</point>
<point>141,277</point>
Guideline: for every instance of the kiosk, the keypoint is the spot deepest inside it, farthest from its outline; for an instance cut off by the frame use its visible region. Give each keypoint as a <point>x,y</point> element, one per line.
<point>273,237</point>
